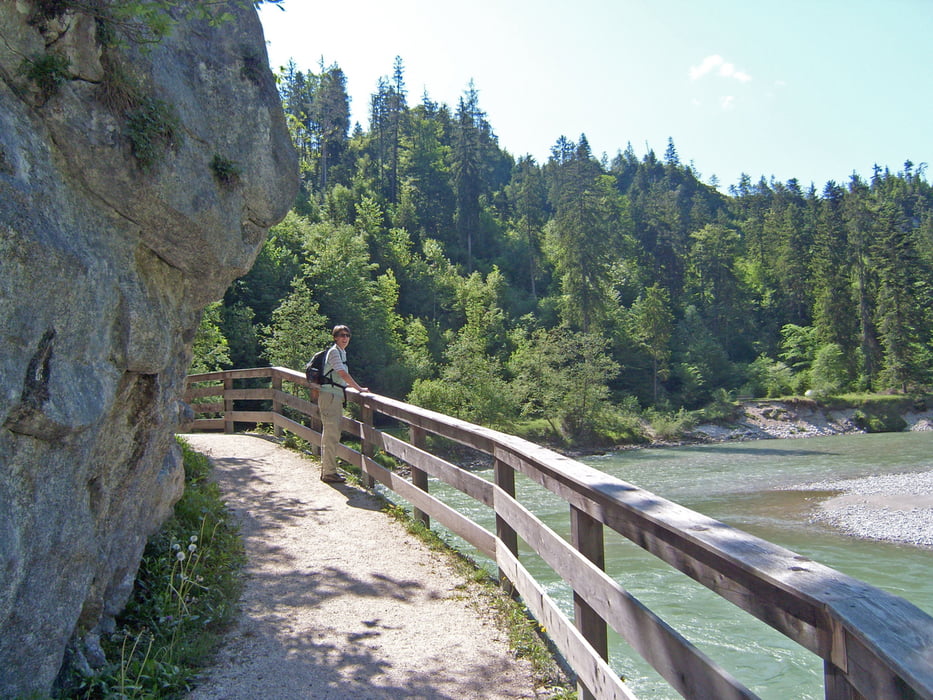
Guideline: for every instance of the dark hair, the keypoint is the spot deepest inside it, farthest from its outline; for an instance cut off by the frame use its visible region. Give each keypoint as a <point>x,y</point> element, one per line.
<point>339,329</point>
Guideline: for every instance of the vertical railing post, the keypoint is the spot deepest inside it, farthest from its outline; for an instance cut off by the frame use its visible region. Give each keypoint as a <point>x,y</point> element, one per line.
<point>314,420</point>
<point>367,447</point>
<point>228,404</point>
<point>835,684</point>
<point>276,403</point>
<point>504,476</point>
<point>419,477</point>
<point>586,534</point>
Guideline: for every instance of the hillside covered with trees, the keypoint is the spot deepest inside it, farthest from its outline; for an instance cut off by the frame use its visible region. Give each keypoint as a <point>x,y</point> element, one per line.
<point>579,292</point>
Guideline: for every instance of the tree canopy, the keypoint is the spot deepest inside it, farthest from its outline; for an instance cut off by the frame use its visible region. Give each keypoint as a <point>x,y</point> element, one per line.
<point>500,289</point>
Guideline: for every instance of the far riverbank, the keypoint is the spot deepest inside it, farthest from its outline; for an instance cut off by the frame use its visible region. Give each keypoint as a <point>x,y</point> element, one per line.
<point>796,419</point>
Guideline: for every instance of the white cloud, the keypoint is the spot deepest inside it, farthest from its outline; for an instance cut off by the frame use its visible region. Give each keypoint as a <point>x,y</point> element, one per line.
<point>719,65</point>
<point>727,102</point>
<point>709,63</point>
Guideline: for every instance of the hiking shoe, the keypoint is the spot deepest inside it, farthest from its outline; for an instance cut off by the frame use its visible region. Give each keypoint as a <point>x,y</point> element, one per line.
<point>333,478</point>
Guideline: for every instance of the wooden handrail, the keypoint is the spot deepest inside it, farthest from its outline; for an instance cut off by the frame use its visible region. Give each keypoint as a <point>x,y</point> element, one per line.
<point>873,644</point>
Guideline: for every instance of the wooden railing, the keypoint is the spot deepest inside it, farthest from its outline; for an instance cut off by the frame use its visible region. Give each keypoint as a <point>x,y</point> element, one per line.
<point>873,644</point>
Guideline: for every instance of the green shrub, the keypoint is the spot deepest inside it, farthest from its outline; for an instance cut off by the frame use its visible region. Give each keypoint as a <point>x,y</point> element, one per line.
<point>878,421</point>
<point>721,409</point>
<point>828,371</point>
<point>670,427</point>
<point>767,377</point>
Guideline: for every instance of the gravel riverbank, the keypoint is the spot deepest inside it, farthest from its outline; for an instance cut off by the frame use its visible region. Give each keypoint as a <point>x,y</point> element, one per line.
<point>889,507</point>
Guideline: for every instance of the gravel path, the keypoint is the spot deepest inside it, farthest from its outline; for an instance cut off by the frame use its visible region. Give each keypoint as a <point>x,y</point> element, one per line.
<point>340,601</point>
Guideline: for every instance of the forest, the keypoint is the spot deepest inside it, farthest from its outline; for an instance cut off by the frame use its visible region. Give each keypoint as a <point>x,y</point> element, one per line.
<point>577,298</point>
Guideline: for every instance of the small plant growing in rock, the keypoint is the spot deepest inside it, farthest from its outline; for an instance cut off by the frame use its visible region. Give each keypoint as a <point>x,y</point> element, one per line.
<point>253,66</point>
<point>49,71</point>
<point>5,165</point>
<point>50,9</point>
<point>120,91</point>
<point>225,170</point>
<point>152,129</point>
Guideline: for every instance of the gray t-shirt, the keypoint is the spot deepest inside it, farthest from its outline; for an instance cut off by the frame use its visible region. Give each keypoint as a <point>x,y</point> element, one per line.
<point>335,361</point>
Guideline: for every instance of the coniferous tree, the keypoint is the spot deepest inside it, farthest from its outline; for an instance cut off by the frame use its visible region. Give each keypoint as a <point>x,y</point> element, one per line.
<point>834,303</point>
<point>330,107</point>
<point>425,168</point>
<point>562,377</point>
<point>714,283</point>
<point>794,250</point>
<point>858,216</point>
<point>467,168</point>
<point>528,197</point>
<point>652,325</point>
<point>903,295</point>
<point>210,347</point>
<point>297,331</point>
<point>585,237</point>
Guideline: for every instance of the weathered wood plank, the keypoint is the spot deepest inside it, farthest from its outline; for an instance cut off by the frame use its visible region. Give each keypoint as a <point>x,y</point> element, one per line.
<point>297,403</point>
<point>199,392</point>
<point>595,673</point>
<point>206,377</point>
<point>253,373</point>
<point>217,407</point>
<point>451,428</point>
<point>419,477</point>
<point>868,669</point>
<point>473,533</point>
<point>249,416</point>
<point>290,375</point>
<point>586,535</point>
<point>690,542</point>
<point>249,394</point>
<point>474,486</point>
<point>207,424</point>
<point>302,431</point>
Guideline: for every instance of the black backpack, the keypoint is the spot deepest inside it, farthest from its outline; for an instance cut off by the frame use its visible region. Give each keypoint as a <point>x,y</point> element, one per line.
<point>314,370</point>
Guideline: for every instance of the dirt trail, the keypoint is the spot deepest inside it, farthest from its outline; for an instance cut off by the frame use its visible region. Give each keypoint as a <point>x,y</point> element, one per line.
<point>340,601</point>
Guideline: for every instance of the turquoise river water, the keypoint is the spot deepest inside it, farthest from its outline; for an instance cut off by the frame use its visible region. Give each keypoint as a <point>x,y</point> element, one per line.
<point>749,485</point>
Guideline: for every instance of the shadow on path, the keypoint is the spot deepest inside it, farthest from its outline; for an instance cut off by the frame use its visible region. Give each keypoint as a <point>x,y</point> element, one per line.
<point>340,602</point>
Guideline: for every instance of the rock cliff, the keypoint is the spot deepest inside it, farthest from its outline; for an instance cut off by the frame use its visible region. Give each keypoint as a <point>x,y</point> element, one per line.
<point>137,180</point>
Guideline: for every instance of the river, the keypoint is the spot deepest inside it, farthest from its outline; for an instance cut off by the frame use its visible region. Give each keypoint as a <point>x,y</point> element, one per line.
<point>749,485</point>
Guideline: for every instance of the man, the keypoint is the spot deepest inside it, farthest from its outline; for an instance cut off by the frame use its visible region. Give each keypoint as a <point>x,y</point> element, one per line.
<point>330,403</point>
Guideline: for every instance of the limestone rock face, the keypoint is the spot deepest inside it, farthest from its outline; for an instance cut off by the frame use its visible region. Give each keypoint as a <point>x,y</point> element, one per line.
<point>108,253</point>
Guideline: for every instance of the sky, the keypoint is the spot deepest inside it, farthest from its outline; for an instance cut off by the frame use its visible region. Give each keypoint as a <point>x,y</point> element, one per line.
<point>807,89</point>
